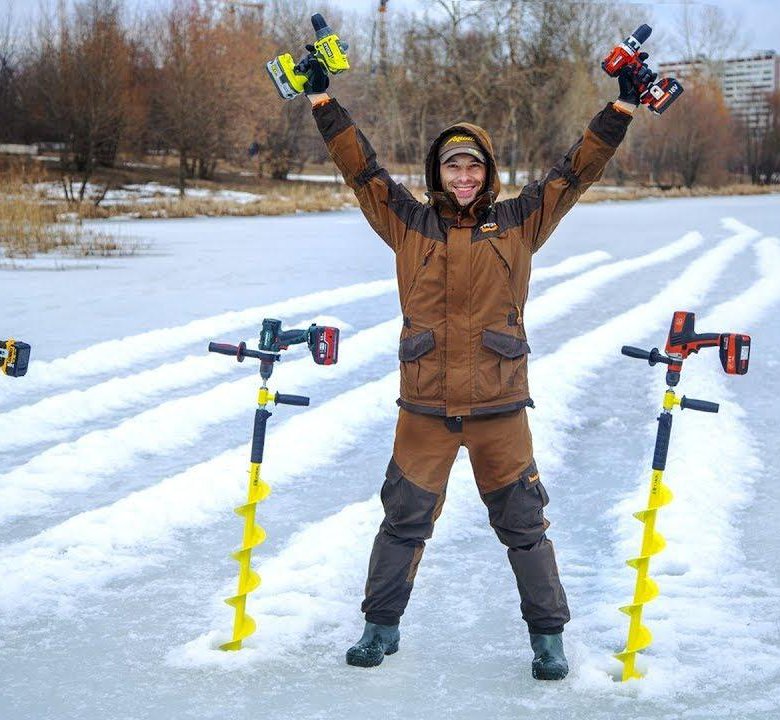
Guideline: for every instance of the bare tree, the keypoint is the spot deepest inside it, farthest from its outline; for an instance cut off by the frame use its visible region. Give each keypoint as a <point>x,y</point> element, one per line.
<point>9,82</point>
<point>208,94</point>
<point>761,132</point>
<point>80,75</point>
<point>704,33</point>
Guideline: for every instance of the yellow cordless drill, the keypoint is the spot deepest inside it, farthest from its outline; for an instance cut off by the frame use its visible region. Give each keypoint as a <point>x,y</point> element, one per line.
<point>310,74</point>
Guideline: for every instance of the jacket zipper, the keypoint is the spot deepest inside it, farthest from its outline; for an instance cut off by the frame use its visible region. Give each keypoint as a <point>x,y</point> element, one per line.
<point>420,267</point>
<point>501,259</point>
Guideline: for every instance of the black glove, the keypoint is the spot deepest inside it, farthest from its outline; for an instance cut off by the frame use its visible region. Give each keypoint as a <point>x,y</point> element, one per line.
<point>318,76</point>
<point>630,79</point>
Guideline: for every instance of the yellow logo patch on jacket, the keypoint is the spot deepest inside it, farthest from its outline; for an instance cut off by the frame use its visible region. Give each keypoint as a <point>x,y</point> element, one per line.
<point>488,227</point>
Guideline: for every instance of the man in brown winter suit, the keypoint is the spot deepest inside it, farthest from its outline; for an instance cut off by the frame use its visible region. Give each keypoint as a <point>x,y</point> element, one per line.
<point>463,262</point>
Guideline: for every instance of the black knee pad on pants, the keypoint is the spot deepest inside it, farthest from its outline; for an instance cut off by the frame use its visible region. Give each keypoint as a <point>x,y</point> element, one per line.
<point>410,513</point>
<point>516,511</point>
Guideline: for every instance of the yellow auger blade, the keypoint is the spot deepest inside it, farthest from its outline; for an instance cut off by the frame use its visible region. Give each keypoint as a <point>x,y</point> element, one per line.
<point>654,543</point>
<point>645,589</point>
<point>640,639</point>
<point>244,630</point>
<point>660,495</point>
<point>248,579</point>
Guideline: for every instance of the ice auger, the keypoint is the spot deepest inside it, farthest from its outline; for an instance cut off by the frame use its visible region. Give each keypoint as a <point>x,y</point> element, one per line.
<point>323,343</point>
<point>681,342</point>
<point>14,357</point>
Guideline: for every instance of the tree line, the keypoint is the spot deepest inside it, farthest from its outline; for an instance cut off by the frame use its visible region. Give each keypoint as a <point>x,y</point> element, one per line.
<point>188,80</point>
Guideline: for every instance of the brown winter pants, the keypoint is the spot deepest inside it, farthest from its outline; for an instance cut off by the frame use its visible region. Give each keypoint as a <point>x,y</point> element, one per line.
<point>501,453</point>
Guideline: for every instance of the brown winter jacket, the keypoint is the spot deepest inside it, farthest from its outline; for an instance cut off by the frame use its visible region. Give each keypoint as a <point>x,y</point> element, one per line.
<point>463,273</point>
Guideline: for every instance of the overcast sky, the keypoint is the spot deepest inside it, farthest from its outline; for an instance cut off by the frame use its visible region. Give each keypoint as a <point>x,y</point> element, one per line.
<point>759,20</point>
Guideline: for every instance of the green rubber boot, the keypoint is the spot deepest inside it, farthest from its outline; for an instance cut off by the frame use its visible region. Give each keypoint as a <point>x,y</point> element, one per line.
<point>377,641</point>
<point>549,662</point>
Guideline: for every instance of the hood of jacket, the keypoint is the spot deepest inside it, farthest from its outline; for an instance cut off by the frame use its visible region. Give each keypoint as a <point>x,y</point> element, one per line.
<point>446,200</point>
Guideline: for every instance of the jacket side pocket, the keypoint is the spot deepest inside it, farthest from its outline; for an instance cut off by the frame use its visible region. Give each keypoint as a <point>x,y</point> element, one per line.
<point>500,363</point>
<point>420,371</point>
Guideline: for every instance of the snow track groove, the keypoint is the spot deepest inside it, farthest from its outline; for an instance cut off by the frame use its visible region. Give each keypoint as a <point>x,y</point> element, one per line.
<point>118,355</point>
<point>558,300</point>
<point>76,466</point>
<point>59,416</point>
<point>570,266</point>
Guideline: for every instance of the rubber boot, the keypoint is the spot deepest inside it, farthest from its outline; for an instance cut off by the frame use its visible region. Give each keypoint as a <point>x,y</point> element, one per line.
<point>377,641</point>
<point>549,662</point>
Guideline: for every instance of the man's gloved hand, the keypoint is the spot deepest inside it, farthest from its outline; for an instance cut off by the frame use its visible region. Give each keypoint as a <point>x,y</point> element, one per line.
<point>630,80</point>
<point>318,76</point>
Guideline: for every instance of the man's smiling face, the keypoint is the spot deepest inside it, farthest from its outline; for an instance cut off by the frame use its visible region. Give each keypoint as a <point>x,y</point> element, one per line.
<point>464,176</point>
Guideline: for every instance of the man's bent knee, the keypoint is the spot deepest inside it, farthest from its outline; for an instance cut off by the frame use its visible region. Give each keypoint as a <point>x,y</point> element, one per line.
<point>516,511</point>
<point>410,511</point>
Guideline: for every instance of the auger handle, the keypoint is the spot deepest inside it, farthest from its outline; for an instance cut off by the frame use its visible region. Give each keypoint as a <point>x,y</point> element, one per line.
<point>281,399</point>
<point>226,349</point>
<point>701,405</point>
<point>239,352</point>
<point>652,357</point>
<point>635,352</point>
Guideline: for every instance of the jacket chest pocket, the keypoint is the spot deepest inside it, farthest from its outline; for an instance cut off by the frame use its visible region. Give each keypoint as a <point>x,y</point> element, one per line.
<point>502,362</point>
<point>420,366</point>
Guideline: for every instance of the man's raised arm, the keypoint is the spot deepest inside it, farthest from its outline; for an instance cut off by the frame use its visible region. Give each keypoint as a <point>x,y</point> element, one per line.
<point>381,199</point>
<point>542,204</point>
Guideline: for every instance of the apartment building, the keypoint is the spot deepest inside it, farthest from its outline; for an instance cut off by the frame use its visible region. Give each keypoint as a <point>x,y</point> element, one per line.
<point>745,81</point>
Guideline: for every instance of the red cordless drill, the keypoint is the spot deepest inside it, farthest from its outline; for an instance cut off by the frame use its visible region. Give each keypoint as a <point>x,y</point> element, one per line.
<point>658,95</point>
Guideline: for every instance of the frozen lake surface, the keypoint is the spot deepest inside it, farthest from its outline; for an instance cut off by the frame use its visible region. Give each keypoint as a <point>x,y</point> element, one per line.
<point>125,448</point>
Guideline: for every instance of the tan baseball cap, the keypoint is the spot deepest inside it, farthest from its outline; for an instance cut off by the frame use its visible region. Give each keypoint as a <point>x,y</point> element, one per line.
<point>457,144</point>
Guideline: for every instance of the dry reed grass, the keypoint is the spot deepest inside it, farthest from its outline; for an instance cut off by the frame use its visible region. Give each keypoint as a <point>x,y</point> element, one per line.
<point>286,199</point>
<point>29,226</point>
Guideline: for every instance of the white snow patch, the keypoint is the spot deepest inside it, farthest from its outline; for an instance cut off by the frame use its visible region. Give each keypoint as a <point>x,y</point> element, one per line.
<point>570,266</point>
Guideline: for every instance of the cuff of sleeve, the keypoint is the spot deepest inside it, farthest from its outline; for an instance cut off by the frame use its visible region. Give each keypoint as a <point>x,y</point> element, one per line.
<point>611,125</point>
<point>331,118</point>
<point>617,107</point>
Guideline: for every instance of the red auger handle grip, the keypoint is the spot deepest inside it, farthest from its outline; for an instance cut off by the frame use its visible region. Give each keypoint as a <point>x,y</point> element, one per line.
<point>281,399</point>
<point>702,405</point>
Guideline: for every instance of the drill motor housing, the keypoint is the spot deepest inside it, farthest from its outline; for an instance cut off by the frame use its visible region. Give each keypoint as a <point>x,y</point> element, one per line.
<point>734,348</point>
